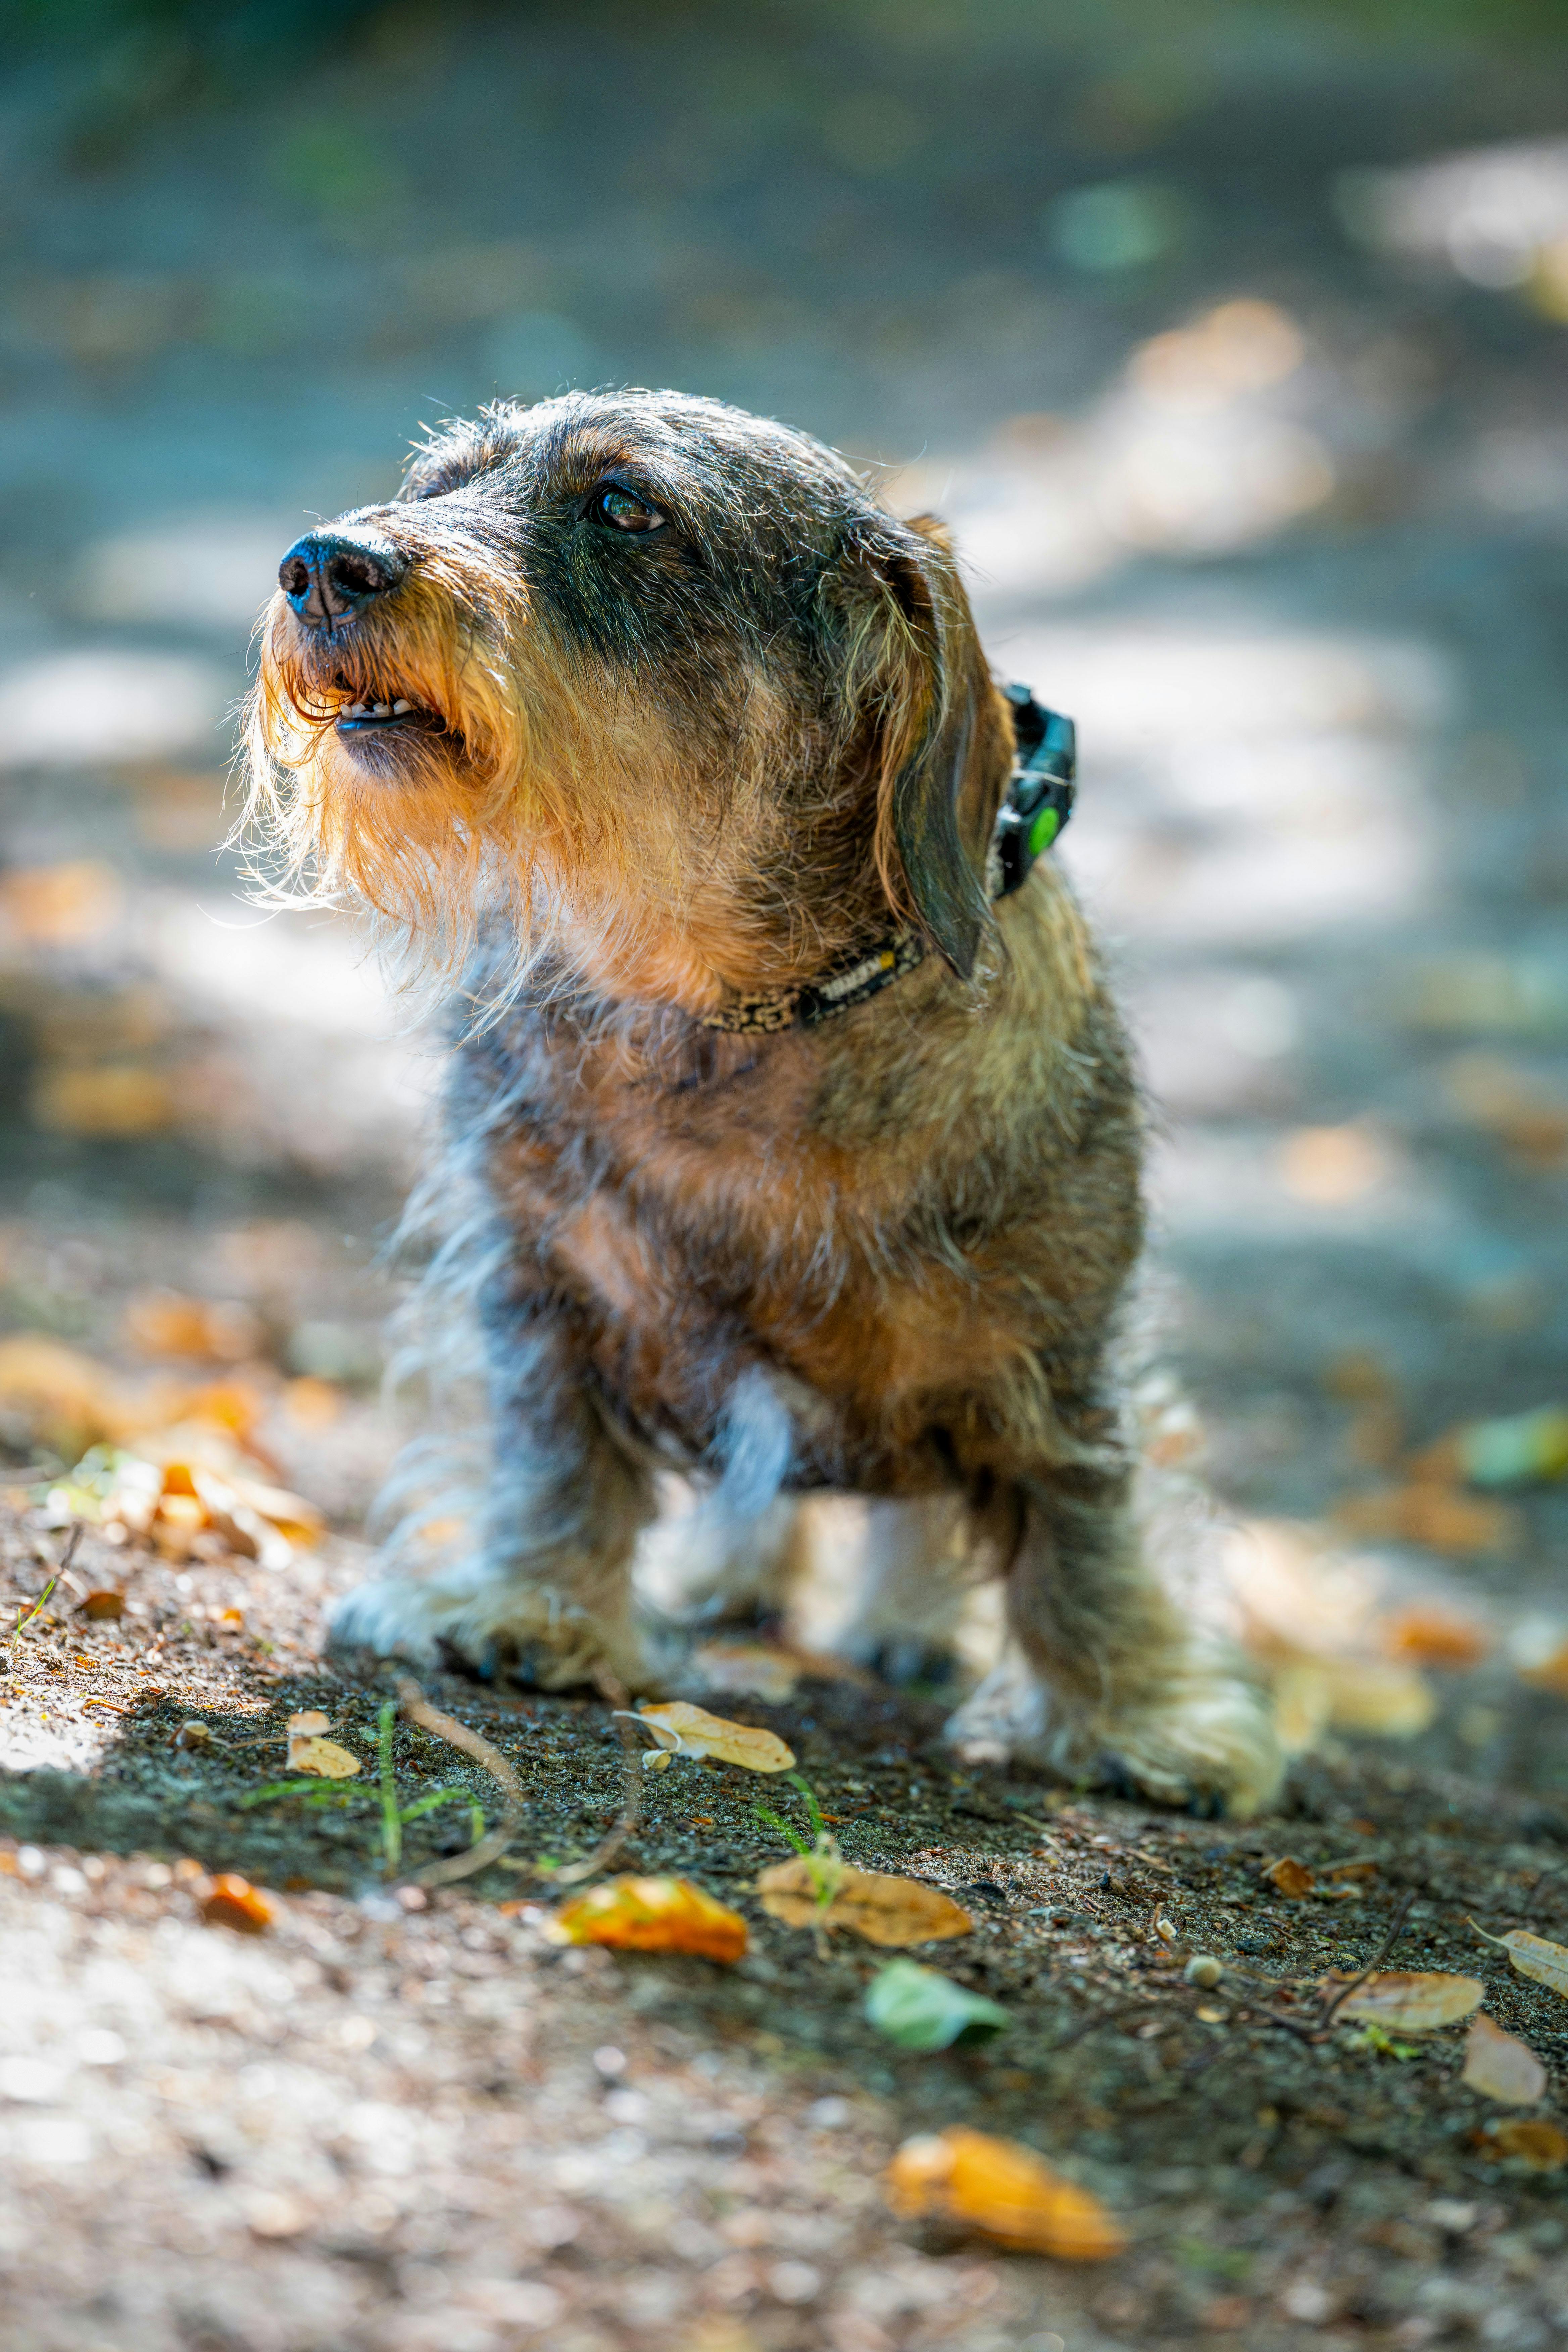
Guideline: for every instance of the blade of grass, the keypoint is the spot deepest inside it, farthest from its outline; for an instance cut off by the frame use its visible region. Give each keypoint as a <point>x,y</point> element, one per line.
<point>391,1820</point>
<point>312,1787</point>
<point>26,1619</point>
<point>786,1829</point>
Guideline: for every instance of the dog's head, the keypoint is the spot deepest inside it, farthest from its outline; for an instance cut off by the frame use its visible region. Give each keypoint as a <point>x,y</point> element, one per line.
<point>658,675</point>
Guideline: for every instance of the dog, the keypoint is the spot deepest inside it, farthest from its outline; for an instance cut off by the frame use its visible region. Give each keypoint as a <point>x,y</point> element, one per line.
<point>795,1152</point>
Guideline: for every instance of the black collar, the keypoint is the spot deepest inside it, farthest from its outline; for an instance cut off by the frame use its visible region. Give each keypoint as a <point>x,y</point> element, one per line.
<point>1036,805</point>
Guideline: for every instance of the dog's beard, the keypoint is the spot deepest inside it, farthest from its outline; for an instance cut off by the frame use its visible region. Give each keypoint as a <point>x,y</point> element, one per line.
<point>517,801</point>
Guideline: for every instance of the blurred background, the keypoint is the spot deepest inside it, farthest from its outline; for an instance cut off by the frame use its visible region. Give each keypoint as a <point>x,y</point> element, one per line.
<point>1230,335</point>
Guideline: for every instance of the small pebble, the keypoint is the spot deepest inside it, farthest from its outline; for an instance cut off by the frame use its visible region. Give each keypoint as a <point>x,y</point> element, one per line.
<point>1203,1971</point>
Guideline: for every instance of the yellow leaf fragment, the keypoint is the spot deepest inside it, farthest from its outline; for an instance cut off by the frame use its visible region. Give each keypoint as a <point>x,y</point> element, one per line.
<point>1392,1702</point>
<point>653,1915</point>
<point>689,1730</point>
<point>1410,2001</point>
<point>1501,2068</point>
<point>1540,2145</point>
<point>1536,1957</point>
<point>325,1759</point>
<point>870,1904</point>
<point>1002,2190</point>
<point>309,1752</point>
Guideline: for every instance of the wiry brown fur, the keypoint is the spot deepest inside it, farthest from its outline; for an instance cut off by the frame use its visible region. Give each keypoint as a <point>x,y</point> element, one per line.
<point>884,1256</point>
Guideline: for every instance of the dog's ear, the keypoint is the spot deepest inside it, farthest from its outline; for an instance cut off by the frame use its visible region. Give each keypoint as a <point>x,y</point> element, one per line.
<point>912,671</point>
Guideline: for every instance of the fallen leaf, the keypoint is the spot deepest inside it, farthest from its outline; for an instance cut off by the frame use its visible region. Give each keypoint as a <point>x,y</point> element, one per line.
<point>879,1907</point>
<point>1408,2001</point>
<point>920,2008</point>
<point>103,1604</point>
<point>63,1397</point>
<point>167,1323</point>
<point>687,1730</point>
<point>103,1099</point>
<point>1004,2191</point>
<point>1292,1878</point>
<point>1539,2144</point>
<point>653,1915</point>
<point>59,906</point>
<point>1366,1695</point>
<point>309,1752</point>
<point>233,1902</point>
<point>1536,1957</point>
<point>1501,2068</point>
<point>755,1669</point>
<point>1429,1513</point>
<point>1433,1636</point>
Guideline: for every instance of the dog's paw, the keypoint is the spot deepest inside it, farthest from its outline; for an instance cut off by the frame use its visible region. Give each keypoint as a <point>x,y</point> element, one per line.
<point>495,1629</point>
<point>1205,1745</point>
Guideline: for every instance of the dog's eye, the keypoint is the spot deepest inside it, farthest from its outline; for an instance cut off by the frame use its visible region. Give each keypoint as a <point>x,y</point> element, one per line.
<point>624,510</point>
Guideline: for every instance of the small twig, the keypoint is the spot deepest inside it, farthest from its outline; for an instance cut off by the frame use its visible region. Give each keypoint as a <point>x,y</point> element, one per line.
<point>605,1852</point>
<point>1395,1929</point>
<point>418,1709</point>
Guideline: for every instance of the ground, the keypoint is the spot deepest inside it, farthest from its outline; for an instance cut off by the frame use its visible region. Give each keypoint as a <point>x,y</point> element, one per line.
<point>1257,461</point>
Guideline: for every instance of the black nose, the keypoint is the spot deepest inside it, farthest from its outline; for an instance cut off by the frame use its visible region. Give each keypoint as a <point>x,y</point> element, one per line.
<point>329,577</point>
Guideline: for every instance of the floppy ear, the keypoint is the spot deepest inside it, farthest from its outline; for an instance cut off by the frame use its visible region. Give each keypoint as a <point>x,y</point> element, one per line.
<point>912,671</point>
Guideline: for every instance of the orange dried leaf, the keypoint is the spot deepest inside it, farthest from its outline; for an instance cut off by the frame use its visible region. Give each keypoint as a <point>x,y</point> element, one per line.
<point>654,1914</point>
<point>1410,2001</point>
<point>1436,1637</point>
<point>1292,1878</point>
<point>1540,2145</point>
<point>233,1902</point>
<point>104,1604</point>
<point>1501,2068</point>
<point>689,1730</point>
<point>882,1909</point>
<point>166,1323</point>
<point>1005,2192</point>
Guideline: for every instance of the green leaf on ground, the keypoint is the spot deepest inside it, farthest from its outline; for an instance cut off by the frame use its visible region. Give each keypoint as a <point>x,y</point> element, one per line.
<point>920,2008</point>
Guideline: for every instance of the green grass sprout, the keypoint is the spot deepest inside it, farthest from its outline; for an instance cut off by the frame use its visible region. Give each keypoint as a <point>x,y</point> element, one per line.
<point>391,1819</point>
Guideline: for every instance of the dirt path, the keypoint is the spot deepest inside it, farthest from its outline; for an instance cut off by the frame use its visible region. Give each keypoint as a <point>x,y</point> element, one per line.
<point>395,2119</point>
<point>1257,464</point>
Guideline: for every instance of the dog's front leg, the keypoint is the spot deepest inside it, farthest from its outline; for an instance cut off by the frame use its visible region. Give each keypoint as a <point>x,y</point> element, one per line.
<point>546,1592</point>
<point>1109,1679</point>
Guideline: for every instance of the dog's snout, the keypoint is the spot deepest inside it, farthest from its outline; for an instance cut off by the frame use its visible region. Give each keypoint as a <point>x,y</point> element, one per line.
<point>329,577</point>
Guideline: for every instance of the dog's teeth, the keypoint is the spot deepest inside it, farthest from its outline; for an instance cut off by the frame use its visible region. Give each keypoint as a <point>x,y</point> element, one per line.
<point>352,711</point>
<point>399,708</point>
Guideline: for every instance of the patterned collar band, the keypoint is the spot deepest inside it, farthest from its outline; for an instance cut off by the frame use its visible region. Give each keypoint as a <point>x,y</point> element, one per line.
<point>1037,805</point>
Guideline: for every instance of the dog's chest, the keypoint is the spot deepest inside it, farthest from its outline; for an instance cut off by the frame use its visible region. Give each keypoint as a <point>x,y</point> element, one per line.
<point>699,1233</point>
